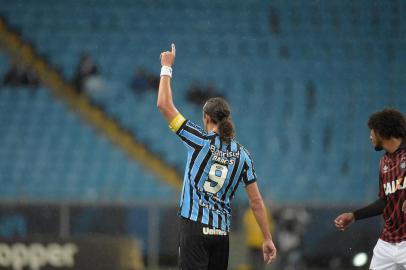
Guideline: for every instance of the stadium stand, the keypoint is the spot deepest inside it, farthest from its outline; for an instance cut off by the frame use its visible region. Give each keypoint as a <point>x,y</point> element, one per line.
<point>49,154</point>
<point>302,79</point>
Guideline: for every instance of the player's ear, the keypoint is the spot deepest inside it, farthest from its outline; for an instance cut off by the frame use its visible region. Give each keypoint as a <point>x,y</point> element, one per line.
<point>208,118</point>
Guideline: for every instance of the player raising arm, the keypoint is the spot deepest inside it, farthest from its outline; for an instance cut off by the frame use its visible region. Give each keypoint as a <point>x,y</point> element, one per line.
<point>215,166</point>
<point>388,132</point>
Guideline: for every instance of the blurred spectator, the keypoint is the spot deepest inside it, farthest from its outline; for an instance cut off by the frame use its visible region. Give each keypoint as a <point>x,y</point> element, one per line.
<point>254,239</point>
<point>274,22</point>
<point>20,75</point>
<point>292,226</point>
<point>198,95</point>
<point>310,97</point>
<point>327,138</point>
<point>140,81</point>
<point>87,77</point>
<point>153,81</point>
<point>143,81</point>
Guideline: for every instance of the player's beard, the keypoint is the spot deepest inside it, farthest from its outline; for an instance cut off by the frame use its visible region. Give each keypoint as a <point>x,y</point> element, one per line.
<point>378,148</point>
<point>378,145</point>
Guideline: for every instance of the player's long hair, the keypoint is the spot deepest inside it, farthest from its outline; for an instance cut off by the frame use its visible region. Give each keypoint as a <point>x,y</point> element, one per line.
<point>219,111</point>
<point>388,123</point>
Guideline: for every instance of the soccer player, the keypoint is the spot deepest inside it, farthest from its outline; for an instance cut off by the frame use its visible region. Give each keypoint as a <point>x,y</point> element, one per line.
<point>215,166</point>
<point>388,132</point>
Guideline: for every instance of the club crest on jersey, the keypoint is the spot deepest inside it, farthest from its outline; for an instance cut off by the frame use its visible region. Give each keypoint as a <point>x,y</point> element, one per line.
<point>402,165</point>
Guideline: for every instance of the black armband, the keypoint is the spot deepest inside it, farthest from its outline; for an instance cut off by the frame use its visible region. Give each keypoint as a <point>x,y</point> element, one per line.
<point>374,209</point>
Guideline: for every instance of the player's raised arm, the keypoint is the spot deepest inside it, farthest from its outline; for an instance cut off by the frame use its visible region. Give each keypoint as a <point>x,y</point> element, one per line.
<point>165,101</point>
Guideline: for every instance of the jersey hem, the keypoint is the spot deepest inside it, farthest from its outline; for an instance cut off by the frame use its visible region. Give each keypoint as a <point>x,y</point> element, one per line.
<point>250,182</point>
<point>393,241</point>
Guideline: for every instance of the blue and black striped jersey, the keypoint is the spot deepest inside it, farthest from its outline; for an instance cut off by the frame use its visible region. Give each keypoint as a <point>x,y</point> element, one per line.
<point>213,172</point>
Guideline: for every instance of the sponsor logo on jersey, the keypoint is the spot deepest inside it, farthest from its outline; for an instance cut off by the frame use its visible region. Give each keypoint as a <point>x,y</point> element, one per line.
<point>395,185</point>
<point>210,231</point>
<point>224,157</point>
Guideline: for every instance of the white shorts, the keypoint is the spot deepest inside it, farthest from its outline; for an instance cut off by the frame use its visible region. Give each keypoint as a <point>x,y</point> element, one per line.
<point>388,256</point>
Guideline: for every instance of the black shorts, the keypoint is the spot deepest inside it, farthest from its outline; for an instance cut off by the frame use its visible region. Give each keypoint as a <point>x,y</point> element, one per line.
<point>201,247</point>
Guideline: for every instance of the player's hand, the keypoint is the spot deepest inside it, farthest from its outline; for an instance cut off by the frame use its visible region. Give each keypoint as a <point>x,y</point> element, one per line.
<point>168,58</point>
<point>269,251</point>
<point>343,221</point>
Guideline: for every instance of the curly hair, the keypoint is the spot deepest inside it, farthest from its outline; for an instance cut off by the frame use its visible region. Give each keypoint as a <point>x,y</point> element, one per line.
<point>388,123</point>
<point>219,111</point>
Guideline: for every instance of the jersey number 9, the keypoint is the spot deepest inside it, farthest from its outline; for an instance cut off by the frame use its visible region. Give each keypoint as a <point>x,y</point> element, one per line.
<point>217,176</point>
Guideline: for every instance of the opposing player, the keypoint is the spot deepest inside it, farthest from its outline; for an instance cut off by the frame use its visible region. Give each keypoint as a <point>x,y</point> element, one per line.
<point>388,132</point>
<point>215,166</point>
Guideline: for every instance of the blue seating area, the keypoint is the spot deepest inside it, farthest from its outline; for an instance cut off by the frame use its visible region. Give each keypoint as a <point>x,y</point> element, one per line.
<point>49,154</point>
<point>302,77</point>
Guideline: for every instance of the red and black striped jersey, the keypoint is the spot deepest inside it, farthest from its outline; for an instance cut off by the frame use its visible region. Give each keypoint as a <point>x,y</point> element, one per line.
<point>392,188</point>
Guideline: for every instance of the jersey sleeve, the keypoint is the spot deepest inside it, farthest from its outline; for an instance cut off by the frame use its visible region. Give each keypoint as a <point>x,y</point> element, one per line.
<point>190,133</point>
<point>248,172</point>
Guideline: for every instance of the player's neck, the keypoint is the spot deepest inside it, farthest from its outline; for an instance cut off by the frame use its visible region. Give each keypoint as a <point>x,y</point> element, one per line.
<point>212,127</point>
<point>392,145</point>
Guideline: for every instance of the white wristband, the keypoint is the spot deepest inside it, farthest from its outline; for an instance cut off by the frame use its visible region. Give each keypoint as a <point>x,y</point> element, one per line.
<point>166,71</point>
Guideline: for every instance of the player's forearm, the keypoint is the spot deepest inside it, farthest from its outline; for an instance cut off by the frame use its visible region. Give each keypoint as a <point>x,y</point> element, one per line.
<point>165,100</point>
<point>164,93</point>
<point>374,209</point>
<point>258,208</point>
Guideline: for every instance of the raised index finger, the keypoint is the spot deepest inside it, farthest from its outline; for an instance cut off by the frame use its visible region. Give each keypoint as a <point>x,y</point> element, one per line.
<point>173,49</point>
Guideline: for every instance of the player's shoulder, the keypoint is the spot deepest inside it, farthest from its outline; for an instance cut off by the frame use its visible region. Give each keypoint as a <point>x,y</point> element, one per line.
<point>243,149</point>
<point>384,158</point>
<point>189,124</point>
